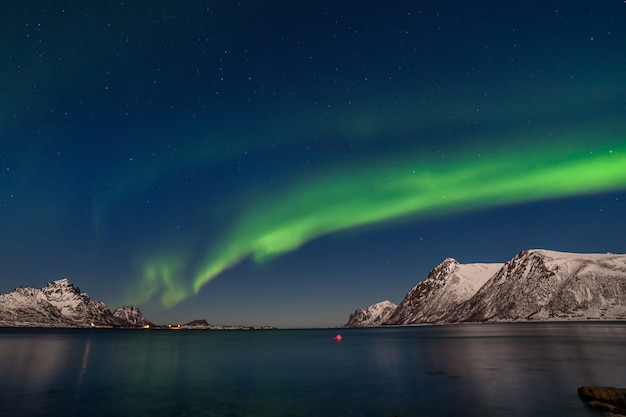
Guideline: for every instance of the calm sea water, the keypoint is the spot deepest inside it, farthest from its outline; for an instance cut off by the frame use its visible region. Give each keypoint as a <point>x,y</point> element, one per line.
<point>464,370</point>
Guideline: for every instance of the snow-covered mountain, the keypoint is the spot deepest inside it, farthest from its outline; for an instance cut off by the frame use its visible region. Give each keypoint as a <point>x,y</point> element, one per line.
<point>549,285</point>
<point>58,304</point>
<point>446,286</point>
<point>61,304</point>
<point>536,284</point>
<point>374,315</point>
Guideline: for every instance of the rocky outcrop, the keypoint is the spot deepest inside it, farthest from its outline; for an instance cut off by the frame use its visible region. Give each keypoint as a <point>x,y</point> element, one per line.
<point>374,315</point>
<point>198,323</point>
<point>131,315</point>
<point>202,324</point>
<point>608,399</point>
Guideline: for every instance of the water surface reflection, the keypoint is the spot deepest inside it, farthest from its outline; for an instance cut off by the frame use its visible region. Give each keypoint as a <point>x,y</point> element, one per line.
<point>473,370</point>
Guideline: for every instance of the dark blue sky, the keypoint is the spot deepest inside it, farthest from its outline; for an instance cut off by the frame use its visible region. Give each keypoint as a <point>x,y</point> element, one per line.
<point>285,162</point>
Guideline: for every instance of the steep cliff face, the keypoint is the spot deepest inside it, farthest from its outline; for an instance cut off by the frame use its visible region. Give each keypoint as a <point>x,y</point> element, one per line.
<point>58,304</point>
<point>374,315</point>
<point>549,285</point>
<point>446,286</point>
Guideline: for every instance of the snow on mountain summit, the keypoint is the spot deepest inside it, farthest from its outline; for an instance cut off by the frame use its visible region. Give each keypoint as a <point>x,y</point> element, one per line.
<point>550,285</point>
<point>65,296</point>
<point>446,286</point>
<point>58,304</point>
<point>536,284</point>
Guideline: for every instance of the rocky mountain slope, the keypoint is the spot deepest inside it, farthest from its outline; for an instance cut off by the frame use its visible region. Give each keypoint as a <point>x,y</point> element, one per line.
<point>59,304</point>
<point>131,315</point>
<point>446,286</point>
<point>374,315</point>
<point>537,285</point>
<point>549,285</point>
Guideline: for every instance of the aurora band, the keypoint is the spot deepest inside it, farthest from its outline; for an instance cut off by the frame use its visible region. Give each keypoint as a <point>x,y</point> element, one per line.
<point>412,189</point>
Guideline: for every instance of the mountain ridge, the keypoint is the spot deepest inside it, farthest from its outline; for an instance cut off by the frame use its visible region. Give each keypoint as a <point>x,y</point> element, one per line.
<point>61,304</point>
<point>540,284</point>
<point>58,304</point>
<point>447,285</point>
<point>535,285</point>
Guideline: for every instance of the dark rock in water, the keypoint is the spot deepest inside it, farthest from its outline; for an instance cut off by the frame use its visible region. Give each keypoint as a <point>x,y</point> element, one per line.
<point>609,399</point>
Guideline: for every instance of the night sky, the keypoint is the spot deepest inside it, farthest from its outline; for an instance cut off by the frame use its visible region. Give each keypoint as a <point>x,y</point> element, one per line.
<point>286,162</point>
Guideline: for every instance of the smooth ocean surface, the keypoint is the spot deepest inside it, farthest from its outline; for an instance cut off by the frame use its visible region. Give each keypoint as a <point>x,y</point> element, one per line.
<point>463,370</point>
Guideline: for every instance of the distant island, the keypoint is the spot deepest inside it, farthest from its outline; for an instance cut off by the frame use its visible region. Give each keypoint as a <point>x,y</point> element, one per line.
<point>536,285</point>
<point>61,304</point>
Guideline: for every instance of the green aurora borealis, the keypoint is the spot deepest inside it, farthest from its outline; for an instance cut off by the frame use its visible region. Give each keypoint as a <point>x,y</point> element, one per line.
<point>413,189</point>
<point>284,163</point>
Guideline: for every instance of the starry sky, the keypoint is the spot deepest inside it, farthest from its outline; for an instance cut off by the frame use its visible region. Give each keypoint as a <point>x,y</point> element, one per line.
<point>286,162</point>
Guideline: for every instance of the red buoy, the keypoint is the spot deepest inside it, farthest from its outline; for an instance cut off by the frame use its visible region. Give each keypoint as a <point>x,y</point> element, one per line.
<point>338,338</point>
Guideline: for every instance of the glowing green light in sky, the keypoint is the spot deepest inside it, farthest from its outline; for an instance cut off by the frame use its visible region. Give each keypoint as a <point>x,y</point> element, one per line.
<point>163,275</point>
<point>411,188</point>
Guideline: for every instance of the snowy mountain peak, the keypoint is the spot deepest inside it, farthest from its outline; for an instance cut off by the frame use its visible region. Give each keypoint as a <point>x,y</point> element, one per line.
<point>536,284</point>
<point>550,285</point>
<point>58,304</point>
<point>444,268</point>
<point>374,315</point>
<point>60,288</point>
<point>63,282</point>
<point>447,285</point>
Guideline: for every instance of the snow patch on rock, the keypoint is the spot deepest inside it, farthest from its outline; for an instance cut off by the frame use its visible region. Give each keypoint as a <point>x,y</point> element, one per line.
<point>374,315</point>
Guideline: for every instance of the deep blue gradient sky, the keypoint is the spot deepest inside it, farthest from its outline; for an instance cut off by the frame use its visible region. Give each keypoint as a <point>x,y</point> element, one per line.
<point>285,162</point>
